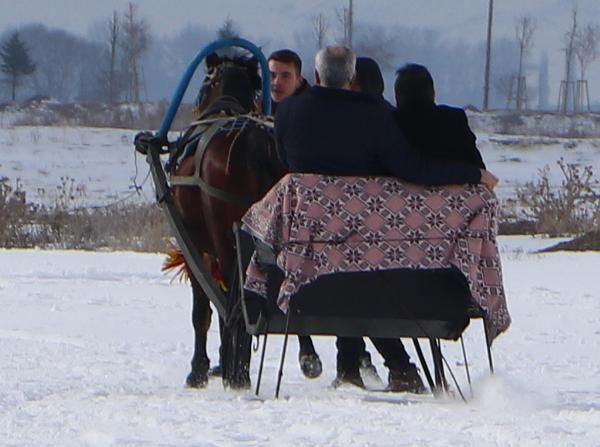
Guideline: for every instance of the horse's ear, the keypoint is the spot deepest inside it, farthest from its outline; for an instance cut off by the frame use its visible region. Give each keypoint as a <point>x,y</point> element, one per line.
<point>212,60</point>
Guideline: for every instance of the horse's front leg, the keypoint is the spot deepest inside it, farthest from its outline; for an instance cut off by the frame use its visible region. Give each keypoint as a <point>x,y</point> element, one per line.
<point>201,313</point>
<point>309,360</point>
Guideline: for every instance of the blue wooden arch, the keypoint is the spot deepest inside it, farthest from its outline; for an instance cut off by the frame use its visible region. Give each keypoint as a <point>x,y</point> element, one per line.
<point>187,76</point>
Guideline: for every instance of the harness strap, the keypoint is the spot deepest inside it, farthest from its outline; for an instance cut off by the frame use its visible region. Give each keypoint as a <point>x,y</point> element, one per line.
<point>205,138</point>
<point>195,179</point>
<point>203,132</point>
<point>186,180</point>
<point>266,121</point>
<point>227,104</point>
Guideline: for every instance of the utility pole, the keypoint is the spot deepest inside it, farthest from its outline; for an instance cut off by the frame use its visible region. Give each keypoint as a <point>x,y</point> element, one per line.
<point>350,22</point>
<point>488,53</point>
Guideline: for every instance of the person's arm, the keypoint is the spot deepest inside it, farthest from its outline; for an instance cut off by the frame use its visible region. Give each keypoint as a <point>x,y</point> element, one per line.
<point>401,160</point>
<point>467,140</point>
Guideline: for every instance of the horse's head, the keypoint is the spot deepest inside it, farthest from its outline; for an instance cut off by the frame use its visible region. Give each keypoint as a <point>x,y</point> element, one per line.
<point>228,81</point>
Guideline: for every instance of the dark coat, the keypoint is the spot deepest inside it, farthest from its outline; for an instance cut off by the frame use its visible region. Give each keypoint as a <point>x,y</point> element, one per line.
<point>340,132</point>
<point>440,132</point>
<point>303,87</point>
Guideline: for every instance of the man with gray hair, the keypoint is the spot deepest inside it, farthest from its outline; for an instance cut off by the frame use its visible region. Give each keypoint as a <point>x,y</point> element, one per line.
<point>333,130</point>
<point>335,67</point>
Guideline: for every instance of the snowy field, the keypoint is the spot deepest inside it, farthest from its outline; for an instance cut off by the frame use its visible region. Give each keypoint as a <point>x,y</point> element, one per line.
<point>95,348</point>
<point>103,165</point>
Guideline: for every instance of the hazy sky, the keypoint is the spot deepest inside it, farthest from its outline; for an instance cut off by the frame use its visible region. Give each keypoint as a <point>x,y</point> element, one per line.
<point>464,18</point>
<point>279,20</point>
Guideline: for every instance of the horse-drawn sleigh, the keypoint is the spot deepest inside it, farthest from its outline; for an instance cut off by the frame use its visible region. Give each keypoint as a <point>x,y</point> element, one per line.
<point>355,269</point>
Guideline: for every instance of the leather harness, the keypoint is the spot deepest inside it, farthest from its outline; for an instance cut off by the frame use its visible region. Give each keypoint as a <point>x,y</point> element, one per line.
<point>204,131</point>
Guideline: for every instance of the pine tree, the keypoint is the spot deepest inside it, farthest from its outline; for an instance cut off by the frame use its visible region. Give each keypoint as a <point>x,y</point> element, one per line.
<point>228,30</point>
<point>15,61</point>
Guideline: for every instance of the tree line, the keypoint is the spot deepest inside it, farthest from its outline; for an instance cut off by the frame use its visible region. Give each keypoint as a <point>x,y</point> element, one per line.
<point>123,61</point>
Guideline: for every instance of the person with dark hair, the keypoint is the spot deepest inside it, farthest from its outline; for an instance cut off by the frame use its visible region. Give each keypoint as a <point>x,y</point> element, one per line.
<point>368,78</point>
<point>286,76</point>
<point>435,131</point>
<point>332,130</point>
<point>403,375</point>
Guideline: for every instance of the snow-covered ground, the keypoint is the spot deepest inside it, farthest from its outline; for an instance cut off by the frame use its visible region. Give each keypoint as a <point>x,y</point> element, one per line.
<point>100,162</point>
<point>103,165</point>
<point>95,348</point>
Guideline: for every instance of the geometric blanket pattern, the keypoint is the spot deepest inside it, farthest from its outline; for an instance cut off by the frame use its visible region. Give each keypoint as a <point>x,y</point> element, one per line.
<point>321,224</point>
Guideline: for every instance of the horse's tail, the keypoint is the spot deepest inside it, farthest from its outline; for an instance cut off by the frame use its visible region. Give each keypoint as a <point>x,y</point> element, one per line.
<point>175,262</point>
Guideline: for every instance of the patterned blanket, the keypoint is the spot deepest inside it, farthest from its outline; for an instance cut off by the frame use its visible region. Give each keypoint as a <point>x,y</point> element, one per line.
<point>323,224</point>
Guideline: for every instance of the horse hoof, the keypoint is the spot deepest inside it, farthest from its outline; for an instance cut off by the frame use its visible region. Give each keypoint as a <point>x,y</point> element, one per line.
<point>215,371</point>
<point>195,380</point>
<point>311,365</point>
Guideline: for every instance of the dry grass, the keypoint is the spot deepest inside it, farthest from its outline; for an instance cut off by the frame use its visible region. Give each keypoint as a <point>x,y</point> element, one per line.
<point>572,209</point>
<point>137,227</point>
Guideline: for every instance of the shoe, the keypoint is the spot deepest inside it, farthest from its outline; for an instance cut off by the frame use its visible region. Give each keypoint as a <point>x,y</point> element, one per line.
<point>351,378</point>
<point>405,381</point>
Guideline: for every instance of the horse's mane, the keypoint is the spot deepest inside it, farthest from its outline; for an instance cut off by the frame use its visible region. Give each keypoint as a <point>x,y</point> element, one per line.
<point>238,78</point>
<point>250,63</point>
<point>260,157</point>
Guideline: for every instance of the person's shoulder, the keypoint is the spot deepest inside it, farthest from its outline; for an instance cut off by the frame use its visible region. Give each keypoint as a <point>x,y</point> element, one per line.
<point>445,108</point>
<point>304,87</point>
<point>450,111</point>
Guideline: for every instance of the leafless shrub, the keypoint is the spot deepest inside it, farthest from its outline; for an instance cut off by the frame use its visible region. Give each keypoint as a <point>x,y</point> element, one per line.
<point>574,208</point>
<point>137,227</point>
<point>14,212</point>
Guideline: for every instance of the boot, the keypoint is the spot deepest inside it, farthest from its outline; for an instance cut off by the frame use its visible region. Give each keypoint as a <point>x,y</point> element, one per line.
<point>406,380</point>
<point>348,377</point>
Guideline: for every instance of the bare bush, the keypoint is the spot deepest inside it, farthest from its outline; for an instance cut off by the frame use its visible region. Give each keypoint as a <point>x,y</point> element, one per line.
<point>14,212</point>
<point>137,227</point>
<point>574,208</point>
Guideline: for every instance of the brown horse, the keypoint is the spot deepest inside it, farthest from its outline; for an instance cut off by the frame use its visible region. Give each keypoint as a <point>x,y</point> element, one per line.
<point>228,160</point>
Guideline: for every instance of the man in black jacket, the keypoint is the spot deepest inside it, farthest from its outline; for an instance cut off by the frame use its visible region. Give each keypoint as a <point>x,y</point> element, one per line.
<point>435,131</point>
<point>332,130</point>
<point>286,76</point>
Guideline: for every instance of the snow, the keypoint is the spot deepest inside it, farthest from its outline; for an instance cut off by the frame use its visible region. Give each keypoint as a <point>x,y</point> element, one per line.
<point>95,346</point>
<point>104,169</point>
<point>101,163</point>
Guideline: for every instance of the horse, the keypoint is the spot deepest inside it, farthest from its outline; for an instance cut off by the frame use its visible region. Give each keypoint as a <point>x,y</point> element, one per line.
<point>231,155</point>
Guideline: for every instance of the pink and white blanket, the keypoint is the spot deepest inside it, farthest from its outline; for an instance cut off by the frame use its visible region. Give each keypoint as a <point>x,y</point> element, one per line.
<point>324,224</point>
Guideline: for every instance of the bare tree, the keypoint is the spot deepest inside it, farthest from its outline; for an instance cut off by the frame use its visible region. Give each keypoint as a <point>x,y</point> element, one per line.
<point>114,30</point>
<point>488,57</point>
<point>136,41</point>
<point>543,84</point>
<point>586,47</point>
<point>566,87</point>
<point>346,21</point>
<point>320,27</point>
<point>524,32</point>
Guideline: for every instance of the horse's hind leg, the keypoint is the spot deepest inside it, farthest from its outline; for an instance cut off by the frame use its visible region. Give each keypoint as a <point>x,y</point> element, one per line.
<point>309,360</point>
<point>201,313</point>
